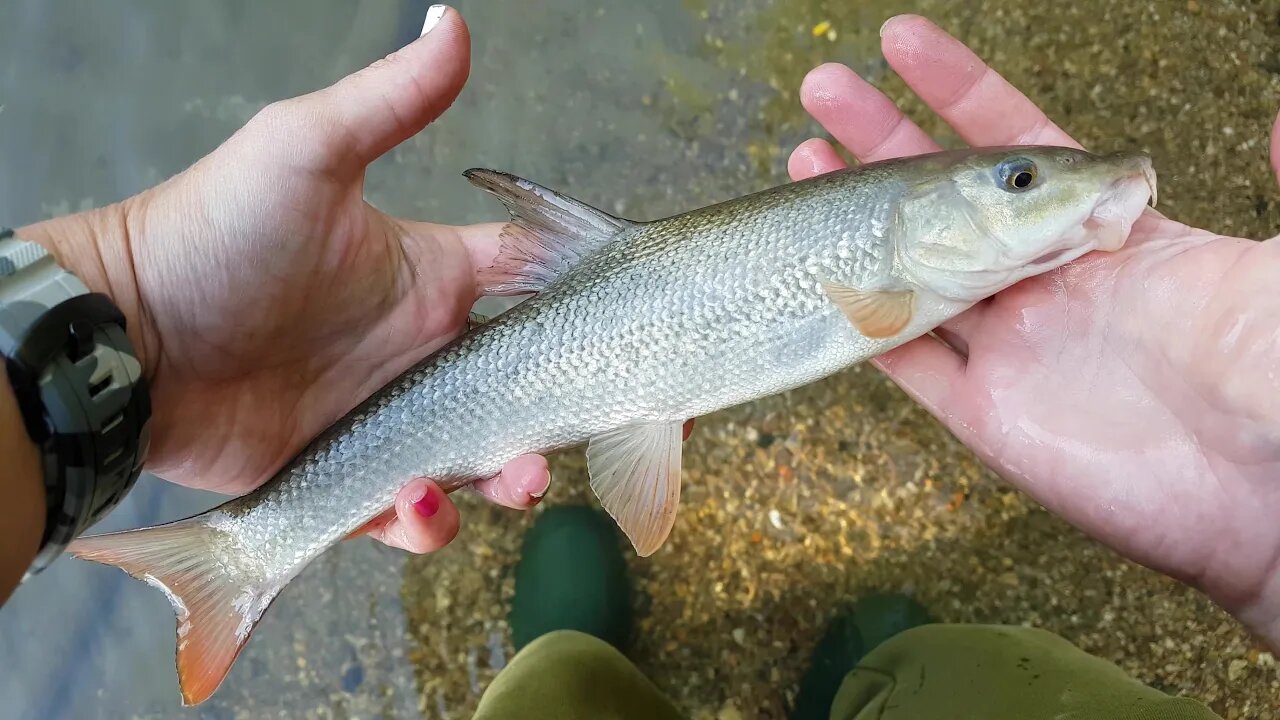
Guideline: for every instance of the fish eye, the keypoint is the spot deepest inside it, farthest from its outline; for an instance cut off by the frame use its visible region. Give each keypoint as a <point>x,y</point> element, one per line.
<point>1018,174</point>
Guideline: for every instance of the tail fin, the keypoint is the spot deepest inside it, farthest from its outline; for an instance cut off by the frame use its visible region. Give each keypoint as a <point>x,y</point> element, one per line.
<point>217,604</point>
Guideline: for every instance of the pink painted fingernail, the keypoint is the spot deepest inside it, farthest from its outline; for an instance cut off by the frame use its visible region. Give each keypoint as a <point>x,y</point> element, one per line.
<point>428,504</point>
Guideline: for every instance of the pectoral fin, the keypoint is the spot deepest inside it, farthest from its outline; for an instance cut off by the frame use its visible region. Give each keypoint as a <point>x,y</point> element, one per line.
<point>635,471</point>
<point>876,314</point>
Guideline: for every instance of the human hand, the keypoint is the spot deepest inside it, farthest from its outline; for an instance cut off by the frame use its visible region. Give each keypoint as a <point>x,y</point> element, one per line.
<point>1135,393</point>
<point>267,298</point>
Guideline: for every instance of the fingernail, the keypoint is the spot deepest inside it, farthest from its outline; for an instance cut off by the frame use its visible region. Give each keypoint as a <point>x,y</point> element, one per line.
<point>882,27</point>
<point>434,13</point>
<point>428,504</point>
<point>538,495</point>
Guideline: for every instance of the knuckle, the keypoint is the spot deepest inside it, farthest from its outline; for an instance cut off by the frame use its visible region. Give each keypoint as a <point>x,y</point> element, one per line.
<point>487,489</point>
<point>385,62</point>
<point>377,533</point>
<point>302,128</point>
<point>418,542</point>
<point>281,115</point>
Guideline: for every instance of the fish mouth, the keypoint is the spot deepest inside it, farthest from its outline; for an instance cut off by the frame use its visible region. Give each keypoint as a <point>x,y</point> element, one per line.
<point>1119,208</point>
<point>1149,174</point>
<point>1135,165</point>
<point>1049,257</point>
<point>1059,257</point>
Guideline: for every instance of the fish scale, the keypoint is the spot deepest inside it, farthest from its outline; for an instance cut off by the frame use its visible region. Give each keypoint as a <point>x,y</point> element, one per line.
<point>656,351</point>
<point>636,327</point>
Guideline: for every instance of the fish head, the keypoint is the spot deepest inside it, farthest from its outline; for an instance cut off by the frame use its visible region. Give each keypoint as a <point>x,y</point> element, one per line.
<point>982,220</point>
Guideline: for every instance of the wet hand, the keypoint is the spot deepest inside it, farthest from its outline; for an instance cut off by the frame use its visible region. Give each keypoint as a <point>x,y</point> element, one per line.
<point>268,298</point>
<point>1136,393</point>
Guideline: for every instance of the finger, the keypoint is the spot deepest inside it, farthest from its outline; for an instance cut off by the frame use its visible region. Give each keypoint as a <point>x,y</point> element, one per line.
<point>974,99</point>
<point>859,116</point>
<point>523,482</point>
<point>393,99</point>
<point>1275,147</point>
<point>687,430</point>
<point>958,343</point>
<point>375,525</point>
<point>425,519</point>
<point>811,158</point>
<point>481,242</point>
<point>932,374</point>
<point>520,484</point>
<point>444,246</point>
<point>964,330</point>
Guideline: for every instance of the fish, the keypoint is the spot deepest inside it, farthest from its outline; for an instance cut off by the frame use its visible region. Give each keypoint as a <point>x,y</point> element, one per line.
<point>631,328</point>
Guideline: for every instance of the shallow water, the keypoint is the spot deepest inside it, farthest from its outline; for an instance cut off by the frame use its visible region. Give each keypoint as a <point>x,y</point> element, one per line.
<point>644,109</point>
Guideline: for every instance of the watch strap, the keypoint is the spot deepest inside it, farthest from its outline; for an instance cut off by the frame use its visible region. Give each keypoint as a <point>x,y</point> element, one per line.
<point>79,386</point>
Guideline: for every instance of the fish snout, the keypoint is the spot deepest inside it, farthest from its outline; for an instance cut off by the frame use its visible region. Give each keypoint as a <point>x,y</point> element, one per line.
<point>1137,166</point>
<point>1131,188</point>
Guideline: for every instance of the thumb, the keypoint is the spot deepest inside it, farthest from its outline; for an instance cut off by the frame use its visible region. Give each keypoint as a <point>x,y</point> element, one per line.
<point>393,99</point>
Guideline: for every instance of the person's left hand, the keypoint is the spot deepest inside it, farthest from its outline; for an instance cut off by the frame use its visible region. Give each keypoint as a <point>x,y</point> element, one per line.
<point>268,298</point>
<point>1133,393</point>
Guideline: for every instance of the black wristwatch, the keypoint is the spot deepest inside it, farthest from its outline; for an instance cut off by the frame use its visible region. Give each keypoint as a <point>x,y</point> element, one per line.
<point>79,386</point>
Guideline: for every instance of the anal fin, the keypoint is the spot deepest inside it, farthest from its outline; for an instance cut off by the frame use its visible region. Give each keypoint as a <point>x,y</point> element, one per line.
<point>635,471</point>
<point>217,607</point>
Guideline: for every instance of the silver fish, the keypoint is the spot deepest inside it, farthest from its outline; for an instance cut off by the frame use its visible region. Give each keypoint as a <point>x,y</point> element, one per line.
<point>634,328</point>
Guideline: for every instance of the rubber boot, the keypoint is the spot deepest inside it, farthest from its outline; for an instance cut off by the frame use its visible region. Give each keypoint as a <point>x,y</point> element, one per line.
<point>852,633</point>
<point>572,575</point>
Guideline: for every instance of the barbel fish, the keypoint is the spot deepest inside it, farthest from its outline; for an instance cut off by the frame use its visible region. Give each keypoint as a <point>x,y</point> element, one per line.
<point>633,328</point>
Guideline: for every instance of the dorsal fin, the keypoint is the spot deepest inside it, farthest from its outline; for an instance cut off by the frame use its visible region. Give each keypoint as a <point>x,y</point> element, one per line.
<point>548,234</point>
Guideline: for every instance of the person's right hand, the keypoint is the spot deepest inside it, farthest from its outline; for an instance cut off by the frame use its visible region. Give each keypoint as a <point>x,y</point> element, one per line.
<point>1135,393</point>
